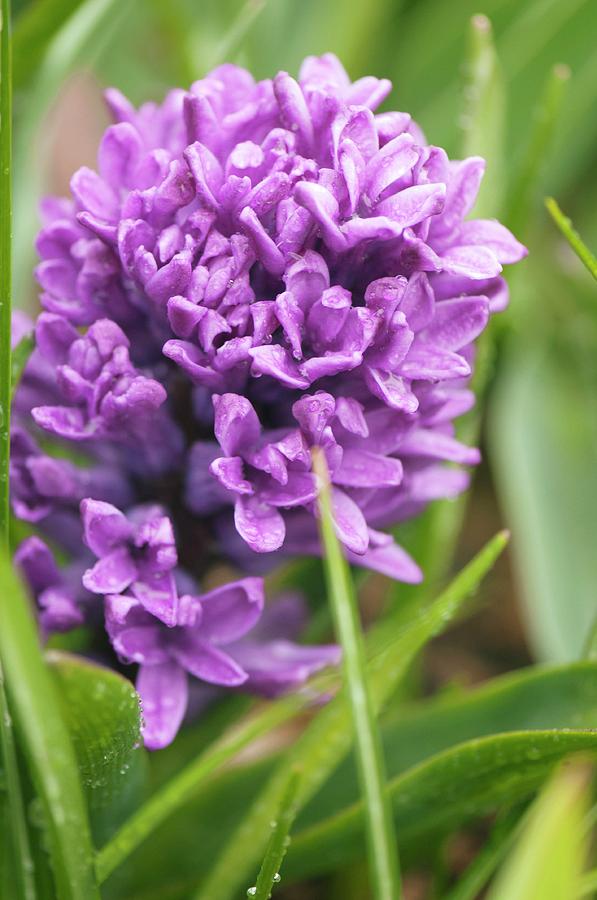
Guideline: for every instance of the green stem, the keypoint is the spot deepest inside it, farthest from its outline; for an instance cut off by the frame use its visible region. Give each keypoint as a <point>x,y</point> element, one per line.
<point>269,874</point>
<point>381,838</point>
<point>572,236</point>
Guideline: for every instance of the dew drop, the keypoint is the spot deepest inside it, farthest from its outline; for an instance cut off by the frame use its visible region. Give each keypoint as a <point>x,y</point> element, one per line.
<point>277,878</point>
<point>252,891</point>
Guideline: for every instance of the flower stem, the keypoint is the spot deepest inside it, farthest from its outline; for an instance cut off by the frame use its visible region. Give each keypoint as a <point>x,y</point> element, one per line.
<point>382,844</point>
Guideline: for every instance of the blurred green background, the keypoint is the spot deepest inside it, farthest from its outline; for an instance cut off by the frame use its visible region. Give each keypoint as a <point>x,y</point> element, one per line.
<point>538,128</point>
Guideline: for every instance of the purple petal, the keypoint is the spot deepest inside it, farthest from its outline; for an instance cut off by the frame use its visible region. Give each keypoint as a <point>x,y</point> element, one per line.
<point>473,262</point>
<point>259,524</point>
<point>278,666</point>
<point>276,361</point>
<point>413,204</point>
<point>104,526</point>
<point>361,468</point>
<point>164,696</point>
<point>457,322</point>
<point>111,574</point>
<point>236,424</point>
<point>229,612</point>
<point>493,235</point>
<point>349,522</point>
<point>433,364</point>
<point>206,662</point>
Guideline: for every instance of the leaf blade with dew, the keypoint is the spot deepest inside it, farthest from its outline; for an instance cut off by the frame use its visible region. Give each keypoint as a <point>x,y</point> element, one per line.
<point>381,839</point>
<point>46,743</point>
<point>471,779</point>
<point>326,741</point>
<point>269,874</point>
<point>548,859</point>
<point>176,792</point>
<point>572,236</point>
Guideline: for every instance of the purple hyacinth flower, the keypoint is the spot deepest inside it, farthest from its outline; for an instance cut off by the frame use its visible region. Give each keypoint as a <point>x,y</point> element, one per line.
<point>135,551</point>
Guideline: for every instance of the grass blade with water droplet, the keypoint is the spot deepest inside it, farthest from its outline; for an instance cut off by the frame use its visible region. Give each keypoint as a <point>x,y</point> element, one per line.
<point>269,874</point>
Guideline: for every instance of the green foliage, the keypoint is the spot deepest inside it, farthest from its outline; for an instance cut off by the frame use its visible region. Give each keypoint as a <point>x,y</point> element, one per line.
<point>46,744</point>
<point>269,873</point>
<point>101,712</point>
<point>549,856</point>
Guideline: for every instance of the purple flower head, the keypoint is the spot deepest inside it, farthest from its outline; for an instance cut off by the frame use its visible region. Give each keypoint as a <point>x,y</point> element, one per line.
<point>254,270</point>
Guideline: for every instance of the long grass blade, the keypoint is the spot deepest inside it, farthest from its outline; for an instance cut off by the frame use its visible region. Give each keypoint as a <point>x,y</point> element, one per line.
<point>269,874</point>
<point>17,839</point>
<point>381,839</point>
<point>572,236</point>
<point>46,743</point>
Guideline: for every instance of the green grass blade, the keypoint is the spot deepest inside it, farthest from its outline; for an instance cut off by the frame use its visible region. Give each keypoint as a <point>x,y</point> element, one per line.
<point>327,740</point>
<point>45,742</point>
<point>20,865</point>
<point>176,792</point>
<point>269,874</point>
<point>483,116</point>
<point>33,30</point>
<point>381,839</point>
<point>18,840</point>
<point>524,184</point>
<point>548,859</point>
<point>572,236</point>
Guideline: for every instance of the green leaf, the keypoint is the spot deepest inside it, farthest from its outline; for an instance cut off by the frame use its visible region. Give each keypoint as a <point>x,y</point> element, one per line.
<point>443,793</point>
<point>536,698</point>
<point>44,739</point>
<point>572,236</point>
<point>470,885</point>
<point>542,441</point>
<point>176,792</point>
<point>269,874</point>
<point>327,740</point>
<point>381,840</point>
<point>548,859</point>
<point>101,711</point>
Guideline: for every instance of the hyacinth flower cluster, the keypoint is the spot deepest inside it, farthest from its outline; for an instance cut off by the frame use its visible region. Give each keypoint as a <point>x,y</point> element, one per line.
<point>254,270</point>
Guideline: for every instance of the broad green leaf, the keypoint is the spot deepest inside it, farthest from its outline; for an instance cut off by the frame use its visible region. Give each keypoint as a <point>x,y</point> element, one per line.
<point>381,840</point>
<point>542,444</point>
<point>327,740</point>
<point>549,856</point>
<point>536,698</point>
<point>101,711</point>
<point>443,793</point>
<point>45,742</point>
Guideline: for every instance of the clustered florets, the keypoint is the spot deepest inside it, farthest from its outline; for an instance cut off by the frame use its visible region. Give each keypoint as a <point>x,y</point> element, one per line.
<point>257,269</point>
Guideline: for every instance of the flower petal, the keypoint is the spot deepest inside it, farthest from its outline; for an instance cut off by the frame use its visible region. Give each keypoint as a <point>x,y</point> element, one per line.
<point>163,690</point>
